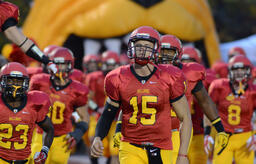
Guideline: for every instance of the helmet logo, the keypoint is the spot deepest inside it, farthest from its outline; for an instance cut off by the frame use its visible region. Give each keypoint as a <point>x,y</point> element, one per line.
<point>143,35</point>
<point>59,60</point>
<point>16,73</point>
<point>165,45</point>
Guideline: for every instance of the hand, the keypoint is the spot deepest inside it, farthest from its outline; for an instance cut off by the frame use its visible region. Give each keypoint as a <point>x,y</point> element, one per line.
<point>117,139</point>
<point>97,147</point>
<point>208,141</point>
<point>251,143</point>
<point>40,157</point>
<point>221,142</point>
<point>52,67</point>
<point>70,142</point>
<point>182,160</point>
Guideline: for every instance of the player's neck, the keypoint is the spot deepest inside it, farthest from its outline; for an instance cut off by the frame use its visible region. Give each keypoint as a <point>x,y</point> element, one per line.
<point>142,71</point>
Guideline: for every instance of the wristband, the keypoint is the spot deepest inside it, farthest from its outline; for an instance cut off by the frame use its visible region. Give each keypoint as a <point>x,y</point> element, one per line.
<point>218,125</point>
<point>118,126</point>
<point>207,130</point>
<point>183,155</point>
<point>45,149</point>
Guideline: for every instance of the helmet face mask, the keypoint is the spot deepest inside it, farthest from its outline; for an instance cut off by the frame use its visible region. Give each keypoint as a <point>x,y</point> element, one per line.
<point>143,45</point>
<point>167,55</point>
<point>239,74</point>
<point>14,81</point>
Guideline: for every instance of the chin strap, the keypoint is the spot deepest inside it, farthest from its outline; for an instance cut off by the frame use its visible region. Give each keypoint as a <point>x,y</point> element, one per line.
<point>241,88</point>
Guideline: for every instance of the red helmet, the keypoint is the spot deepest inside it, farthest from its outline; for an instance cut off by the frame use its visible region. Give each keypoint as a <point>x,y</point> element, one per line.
<point>124,60</point>
<point>191,53</point>
<point>221,69</point>
<point>14,70</point>
<point>110,57</point>
<point>254,72</point>
<point>91,58</point>
<point>236,51</point>
<point>239,62</point>
<point>62,56</point>
<point>144,33</point>
<point>49,49</point>
<point>173,43</point>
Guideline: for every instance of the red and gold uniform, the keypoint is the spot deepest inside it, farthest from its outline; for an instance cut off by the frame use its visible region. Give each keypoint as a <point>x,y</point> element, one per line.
<point>8,11</point>
<point>196,152</point>
<point>16,129</point>
<point>95,82</point>
<point>193,73</point>
<point>236,114</point>
<point>64,101</point>
<point>146,109</point>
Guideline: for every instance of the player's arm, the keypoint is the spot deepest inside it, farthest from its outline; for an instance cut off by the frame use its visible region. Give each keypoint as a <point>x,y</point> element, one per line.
<point>110,110</point>
<point>26,45</point>
<point>47,126</point>
<point>182,110</point>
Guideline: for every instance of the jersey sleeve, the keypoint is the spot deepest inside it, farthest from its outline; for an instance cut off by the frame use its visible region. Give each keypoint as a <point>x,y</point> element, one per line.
<point>38,81</point>
<point>81,95</point>
<point>9,15</point>
<point>214,91</point>
<point>111,86</point>
<point>42,104</point>
<point>178,85</point>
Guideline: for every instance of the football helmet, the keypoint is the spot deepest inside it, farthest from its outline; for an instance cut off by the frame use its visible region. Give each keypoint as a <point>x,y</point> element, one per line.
<point>49,49</point>
<point>143,54</point>
<point>64,60</point>
<point>239,69</point>
<point>191,53</point>
<point>124,60</point>
<point>14,80</point>
<point>171,49</point>
<point>91,63</point>
<point>236,51</point>
<point>110,61</point>
<point>221,69</point>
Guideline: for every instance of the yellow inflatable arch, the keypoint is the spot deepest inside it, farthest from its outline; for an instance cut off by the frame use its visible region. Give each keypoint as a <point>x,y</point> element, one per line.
<point>52,21</point>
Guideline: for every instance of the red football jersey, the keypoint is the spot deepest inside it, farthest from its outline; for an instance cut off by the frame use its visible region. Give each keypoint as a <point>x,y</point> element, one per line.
<point>16,129</point>
<point>235,111</point>
<point>64,101</point>
<point>95,82</point>
<point>197,115</point>
<point>78,75</point>
<point>146,105</point>
<point>8,10</point>
<point>194,73</point>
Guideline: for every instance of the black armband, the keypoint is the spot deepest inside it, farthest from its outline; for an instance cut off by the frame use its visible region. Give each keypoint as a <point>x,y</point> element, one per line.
<point>35,53</point>
<point>176,99</point>
<point>218,125</point>
<point>198,87</point>
<point>207,130</point>
<point>118,126</point>
<point>41,122</point>
<point>105,120</point>
<point>81,128</point>
<point>9,23</point>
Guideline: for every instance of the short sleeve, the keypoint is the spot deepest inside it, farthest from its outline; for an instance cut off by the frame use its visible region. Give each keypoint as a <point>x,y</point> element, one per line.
<point>214,92</point>
<point>111,86</point>
<point>81,96</point>
<point>44,107</point>
<point>9,15</point>
<point>178,86</point>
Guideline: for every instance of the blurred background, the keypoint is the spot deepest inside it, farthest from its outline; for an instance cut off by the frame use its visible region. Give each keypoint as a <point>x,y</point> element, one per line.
<point>101,25</point>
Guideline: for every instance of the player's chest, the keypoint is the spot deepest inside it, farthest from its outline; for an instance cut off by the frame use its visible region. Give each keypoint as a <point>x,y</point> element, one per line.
<point>153,91</point>
<point>23,116</point>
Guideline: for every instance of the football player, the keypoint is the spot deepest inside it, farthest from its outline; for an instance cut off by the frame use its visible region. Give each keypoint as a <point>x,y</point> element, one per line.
<point>221,69</point>
<point>124,60</point>
<point>196,152</point>
<point>95,82</point>
<point>235,98</point>
<point>144,92</point>
<point>254,75</point>
<point>20,111</point>
<point>66,95</point>
<point>91,63</point>
<point>171,50</point>
<point>8,21</point>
